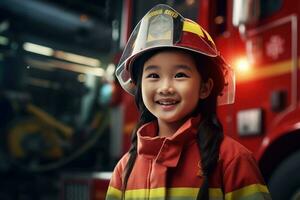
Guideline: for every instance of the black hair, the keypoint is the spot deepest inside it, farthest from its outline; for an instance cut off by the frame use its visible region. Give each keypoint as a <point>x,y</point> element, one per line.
<point>210,130</point>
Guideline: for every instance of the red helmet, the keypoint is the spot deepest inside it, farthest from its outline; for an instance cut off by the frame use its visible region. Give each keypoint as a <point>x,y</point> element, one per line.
<point>163,27</point>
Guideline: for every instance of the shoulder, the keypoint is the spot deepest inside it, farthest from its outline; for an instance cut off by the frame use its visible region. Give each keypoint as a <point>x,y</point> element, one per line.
<point>237,158</point>
<point>231,149</point>
<point>120,166</point>
<point>238,163</point>
<point>116,179</point>
<point>241,175</point>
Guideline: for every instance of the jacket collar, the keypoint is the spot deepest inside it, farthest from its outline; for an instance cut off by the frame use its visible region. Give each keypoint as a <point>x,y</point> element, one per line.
<point>166,150</point>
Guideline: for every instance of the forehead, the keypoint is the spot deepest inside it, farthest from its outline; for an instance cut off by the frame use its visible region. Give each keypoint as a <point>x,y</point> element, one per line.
<point>172,57</point>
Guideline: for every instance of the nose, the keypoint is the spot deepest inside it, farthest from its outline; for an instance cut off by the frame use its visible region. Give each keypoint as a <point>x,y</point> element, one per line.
<point>166,87</point>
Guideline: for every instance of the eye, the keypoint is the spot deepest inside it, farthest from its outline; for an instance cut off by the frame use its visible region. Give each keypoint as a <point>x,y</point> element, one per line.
<point>152,75</point>
<point>181,75</point>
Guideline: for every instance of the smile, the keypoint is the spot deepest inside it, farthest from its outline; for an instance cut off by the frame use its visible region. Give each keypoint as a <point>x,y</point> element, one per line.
<point>167,103</point>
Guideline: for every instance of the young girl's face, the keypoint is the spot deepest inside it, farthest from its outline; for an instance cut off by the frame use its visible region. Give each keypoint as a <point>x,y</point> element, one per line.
<point>171,86</point>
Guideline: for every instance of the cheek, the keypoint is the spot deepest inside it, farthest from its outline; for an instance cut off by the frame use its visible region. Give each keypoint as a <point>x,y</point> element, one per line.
<point>143,90</point>
<point>144,95</point>
<point>190,90</point>
<point>146,92</point>
<point>192,95</point>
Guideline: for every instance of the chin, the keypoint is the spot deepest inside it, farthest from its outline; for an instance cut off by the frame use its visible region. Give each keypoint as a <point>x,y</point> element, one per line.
<point>171,119</point>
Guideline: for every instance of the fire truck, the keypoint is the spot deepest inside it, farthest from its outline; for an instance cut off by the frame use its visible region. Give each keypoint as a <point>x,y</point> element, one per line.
<point>259,39</point>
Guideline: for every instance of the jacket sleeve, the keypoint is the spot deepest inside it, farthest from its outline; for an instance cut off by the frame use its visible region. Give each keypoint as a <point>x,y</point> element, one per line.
<point>114,191</point>
<point>243,180</point>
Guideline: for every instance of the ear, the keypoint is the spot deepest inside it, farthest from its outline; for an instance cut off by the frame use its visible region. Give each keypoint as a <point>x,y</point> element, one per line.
<point>206,88</point>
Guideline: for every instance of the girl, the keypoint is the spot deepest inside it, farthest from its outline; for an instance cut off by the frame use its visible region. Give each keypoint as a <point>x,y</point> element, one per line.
<point>179,151</point>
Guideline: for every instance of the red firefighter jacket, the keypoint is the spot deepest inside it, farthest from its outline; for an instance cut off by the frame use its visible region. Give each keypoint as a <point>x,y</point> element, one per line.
<point>169,168</point>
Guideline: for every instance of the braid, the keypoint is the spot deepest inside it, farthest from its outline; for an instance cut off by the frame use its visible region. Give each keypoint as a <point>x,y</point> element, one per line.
<point>210,131</point>
<point>210,135</point>
<point>145,117</point>
<point>130,162</point>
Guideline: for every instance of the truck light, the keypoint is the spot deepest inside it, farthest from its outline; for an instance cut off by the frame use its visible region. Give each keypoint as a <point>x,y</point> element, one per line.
<point>250,122</point>
<point>243,69</point>
<point>242,65</point>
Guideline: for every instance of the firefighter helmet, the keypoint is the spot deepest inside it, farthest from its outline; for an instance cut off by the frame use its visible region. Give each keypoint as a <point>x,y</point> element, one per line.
<point>163,27</point>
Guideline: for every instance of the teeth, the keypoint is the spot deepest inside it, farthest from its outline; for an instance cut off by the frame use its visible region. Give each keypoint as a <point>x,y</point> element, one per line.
<point>167,103</point>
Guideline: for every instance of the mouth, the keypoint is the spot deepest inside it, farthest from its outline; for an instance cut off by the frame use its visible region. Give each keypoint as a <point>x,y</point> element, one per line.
<point>167,102</point>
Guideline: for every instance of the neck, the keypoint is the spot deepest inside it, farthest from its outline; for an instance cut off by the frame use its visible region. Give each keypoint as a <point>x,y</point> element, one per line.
<point>166,129</point>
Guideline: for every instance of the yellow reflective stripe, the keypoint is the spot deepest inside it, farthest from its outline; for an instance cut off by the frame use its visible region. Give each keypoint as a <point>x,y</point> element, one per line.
<point>268,71</point>
<point>246,191</point>
<point>265,71</point>
<point>136,193</point>
<point>157,192</point>
<point>114,192</point>
<point>140,193</point>
<point>215,193</point>
<point>179,192</point>
<point>195,28</point>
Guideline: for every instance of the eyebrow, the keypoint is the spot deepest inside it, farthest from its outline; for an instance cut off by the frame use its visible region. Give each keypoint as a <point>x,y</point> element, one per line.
<point>154,67</point>
<point>151,67</point>
<point>184,67</point>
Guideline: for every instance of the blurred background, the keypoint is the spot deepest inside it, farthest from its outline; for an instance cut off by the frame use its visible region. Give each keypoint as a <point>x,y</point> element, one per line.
<point>65,121</point>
